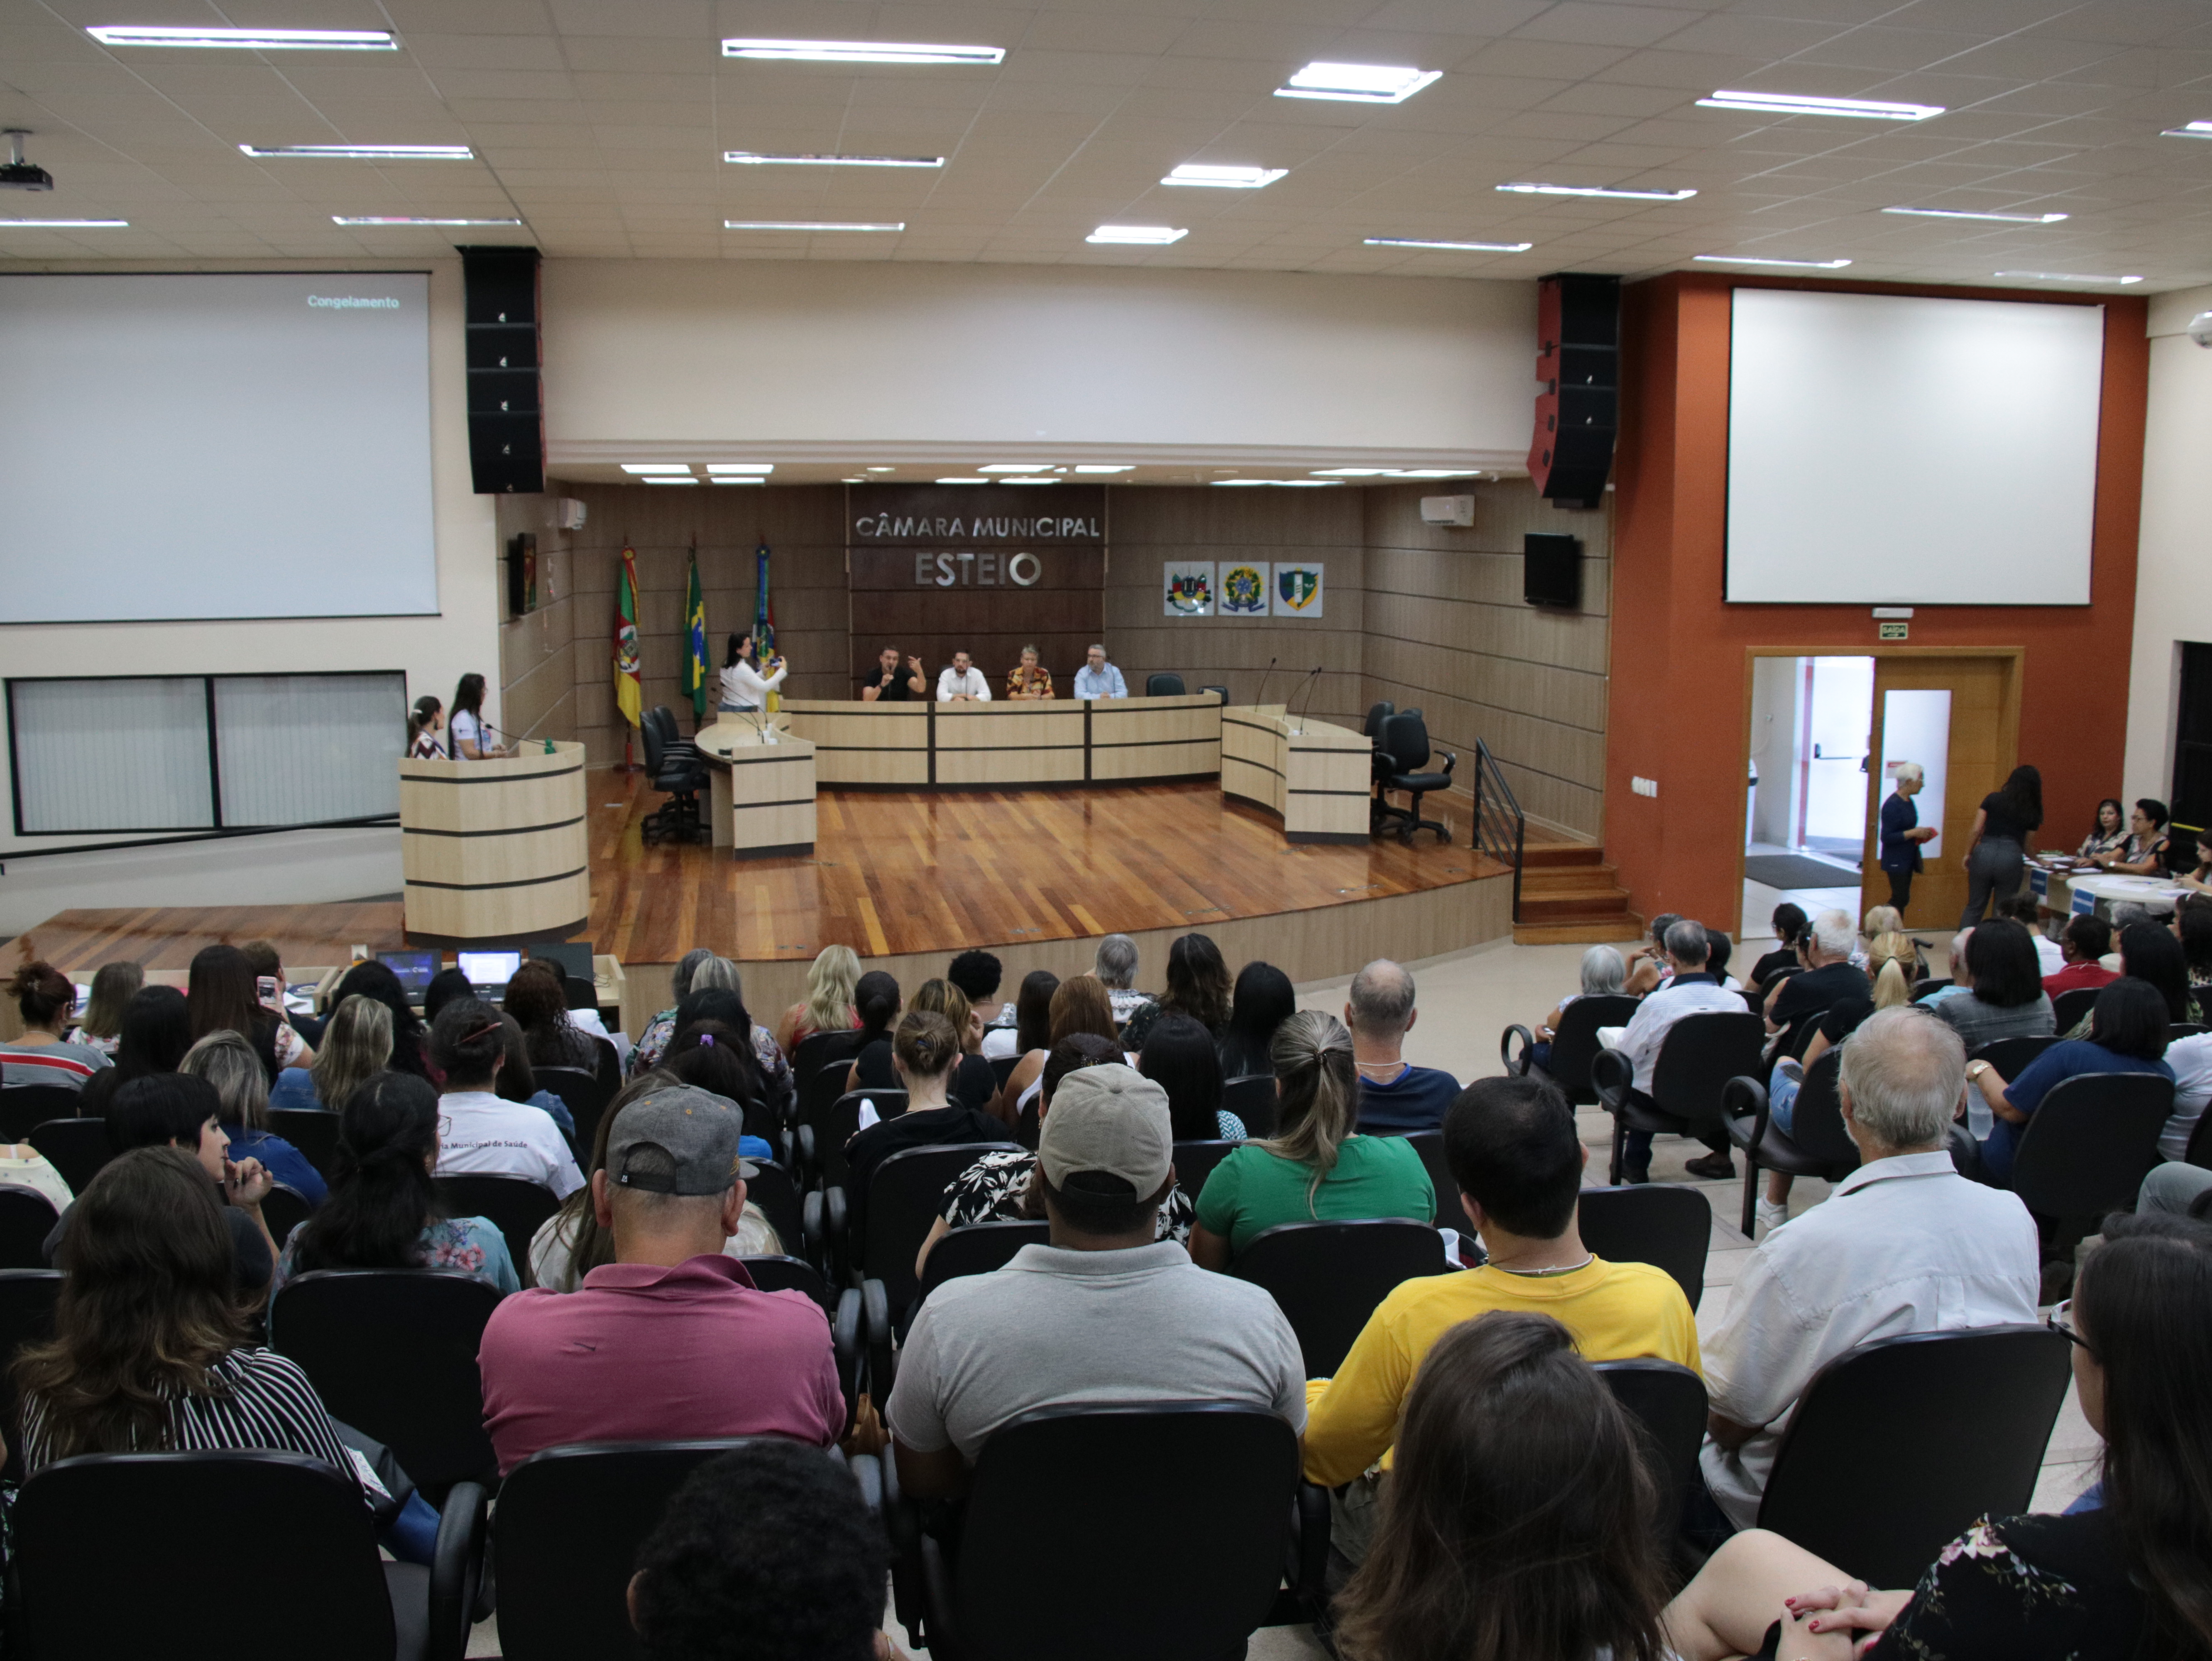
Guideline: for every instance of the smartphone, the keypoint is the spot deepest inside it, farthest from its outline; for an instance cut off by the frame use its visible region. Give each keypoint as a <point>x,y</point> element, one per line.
<point>266,990</point>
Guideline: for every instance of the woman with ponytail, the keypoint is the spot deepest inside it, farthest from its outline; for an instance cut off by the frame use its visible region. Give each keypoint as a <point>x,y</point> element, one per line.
<point>383,1210</point>
<point>1316,1168</point>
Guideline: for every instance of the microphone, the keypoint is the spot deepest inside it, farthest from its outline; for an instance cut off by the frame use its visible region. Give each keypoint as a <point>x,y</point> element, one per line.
<point>1313,681</point>
<point>1262,698</point>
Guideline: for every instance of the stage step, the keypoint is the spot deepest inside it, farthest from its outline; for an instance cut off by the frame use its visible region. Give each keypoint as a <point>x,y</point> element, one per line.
<point>1571,894</point>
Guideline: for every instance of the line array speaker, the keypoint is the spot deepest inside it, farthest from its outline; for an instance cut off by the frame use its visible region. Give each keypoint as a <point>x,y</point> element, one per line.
<point>1578,362</point>
<point>506,405</point>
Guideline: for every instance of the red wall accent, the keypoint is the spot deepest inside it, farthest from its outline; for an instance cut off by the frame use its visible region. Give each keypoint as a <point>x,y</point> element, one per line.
<point>1675,701</point>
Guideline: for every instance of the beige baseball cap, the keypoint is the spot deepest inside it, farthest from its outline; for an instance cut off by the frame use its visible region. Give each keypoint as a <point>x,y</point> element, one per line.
<point>1107,1118</point>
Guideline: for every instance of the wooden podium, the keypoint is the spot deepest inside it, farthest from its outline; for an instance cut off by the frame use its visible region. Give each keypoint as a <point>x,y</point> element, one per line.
<point>495,850</point>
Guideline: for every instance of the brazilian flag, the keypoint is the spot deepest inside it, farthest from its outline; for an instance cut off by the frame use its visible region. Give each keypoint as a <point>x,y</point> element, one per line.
<point>695,662</point>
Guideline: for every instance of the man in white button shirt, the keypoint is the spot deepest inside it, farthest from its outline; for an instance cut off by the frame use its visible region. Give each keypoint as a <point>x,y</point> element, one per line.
<point>1691,992</point>
<point>963,683</point>
<point>1904,1244</point>
<point>1098,678</point>
<point>480,1133</point>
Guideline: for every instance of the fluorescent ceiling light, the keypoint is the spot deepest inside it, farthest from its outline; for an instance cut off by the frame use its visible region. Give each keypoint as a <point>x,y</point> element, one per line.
<point>856,478</point>
<point>752,159</point>
<point>810,225</point>
<point>883,470</point>
<point>1759,259</point>
<point>1043,479</point>
<point>741,466</point>
<point>728,478</point>
<point>1350,473</point>
<point>2000,218</point>
<point>1357,83</point>
<point>62,224</point>
<point>138,34</point>
<point>1430,472</point>
<point>2194,130</point>
<point>2065,277</point>
<point>1784,103</point>
<point>672,481</point>
<point>1457,247</point>
<point>387,219</point>
<point>1606,192</point>
<point>1102,467</point>
<point>683,467</point>
<point>1224,178</point>
<point>967,481</point>
<point>1220,483</point>
<point>1292,483</point>
<point>364,152</point>
<point>860,52</point>
<point>1151,236</point>
<point>1009,467</point>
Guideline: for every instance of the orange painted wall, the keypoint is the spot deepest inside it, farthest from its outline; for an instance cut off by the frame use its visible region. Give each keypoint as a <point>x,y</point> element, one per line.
<point>1675,702</point>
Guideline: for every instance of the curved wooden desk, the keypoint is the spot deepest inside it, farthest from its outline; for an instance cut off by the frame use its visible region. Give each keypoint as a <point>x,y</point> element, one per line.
<point>494,851</point>
<point>762,783</point>
<point>1316,777</point>
<point>1007,745</point>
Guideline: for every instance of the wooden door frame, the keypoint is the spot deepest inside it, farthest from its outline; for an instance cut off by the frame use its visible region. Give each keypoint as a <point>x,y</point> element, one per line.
<point>2008,720</point>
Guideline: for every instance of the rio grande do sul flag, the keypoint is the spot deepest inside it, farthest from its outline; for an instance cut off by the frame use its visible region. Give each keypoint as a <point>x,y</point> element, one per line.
<point>630,692</point>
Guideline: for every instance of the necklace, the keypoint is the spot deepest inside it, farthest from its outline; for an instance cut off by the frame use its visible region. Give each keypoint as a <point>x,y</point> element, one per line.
<point>1545,1273</point>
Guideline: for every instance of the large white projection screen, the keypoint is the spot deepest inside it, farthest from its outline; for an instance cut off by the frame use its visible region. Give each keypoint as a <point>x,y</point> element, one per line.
<point>1891,450</point>
<point>180,447</point>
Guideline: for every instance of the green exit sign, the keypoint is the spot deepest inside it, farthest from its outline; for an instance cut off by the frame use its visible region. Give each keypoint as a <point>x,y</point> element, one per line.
<point>1896,630</point>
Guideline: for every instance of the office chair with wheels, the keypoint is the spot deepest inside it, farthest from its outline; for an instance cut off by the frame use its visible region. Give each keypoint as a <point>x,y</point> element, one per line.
<point>1406,741</point>
<point>1222,692</point>
<point>680,778</point>
<point>1162,686</point>
<point>1380,765</point>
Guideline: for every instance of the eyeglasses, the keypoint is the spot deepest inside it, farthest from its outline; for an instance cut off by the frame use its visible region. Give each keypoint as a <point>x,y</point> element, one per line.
<point>445,1127</point>
<point>2061,1321</point>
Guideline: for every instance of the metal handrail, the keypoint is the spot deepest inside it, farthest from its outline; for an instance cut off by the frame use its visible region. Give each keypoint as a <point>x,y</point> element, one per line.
<point>1501,828</point>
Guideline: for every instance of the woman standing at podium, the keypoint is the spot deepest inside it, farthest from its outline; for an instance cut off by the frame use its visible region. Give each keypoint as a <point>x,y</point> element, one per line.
<point>423,728</point>
<point>471,738</point>
<point>744,688</point>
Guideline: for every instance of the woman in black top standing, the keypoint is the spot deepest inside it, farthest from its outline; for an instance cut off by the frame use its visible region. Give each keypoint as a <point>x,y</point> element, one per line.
<point>1997,852</point>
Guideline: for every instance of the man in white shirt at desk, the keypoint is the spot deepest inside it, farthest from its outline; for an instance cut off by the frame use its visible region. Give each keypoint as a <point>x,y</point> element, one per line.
<point>963,683</point>
<point>1098,678</point>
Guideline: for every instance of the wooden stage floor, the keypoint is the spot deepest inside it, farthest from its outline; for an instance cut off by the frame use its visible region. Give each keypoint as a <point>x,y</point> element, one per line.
<point>893,873</point>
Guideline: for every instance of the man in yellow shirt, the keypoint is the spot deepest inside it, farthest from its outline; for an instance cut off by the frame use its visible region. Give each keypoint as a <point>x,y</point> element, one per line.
<point>1513,1152</point>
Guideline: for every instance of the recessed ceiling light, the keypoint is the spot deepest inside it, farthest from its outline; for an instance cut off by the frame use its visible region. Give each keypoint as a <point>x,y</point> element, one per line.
<point>362,152</point>
<point>1102,467</point>
<point>753,159</point>
<point>860,52</point>
<point>62,224</point>
<point>967,481</point>
<point>1350,473</point>
<point>1760,259</point>
<point>1357,83</point>
<point>1999,218</point>
<point>1045,478</point>
<point>136,34</point>
<point>1457,247</point>
<point>2193,130</point>
<point>683,467</point>
<point>1606,192</point>
<point>883,470</point>
<point>1783,103</point>
<point>810,225</point>
<point>857,478</point>
<point>1224,178</point>
<point>672,481</point>
<point>2064,277</point>
<point>1153,236</point>
<point>741,466</point>
<point>730,478</point>
<point>388,219</point>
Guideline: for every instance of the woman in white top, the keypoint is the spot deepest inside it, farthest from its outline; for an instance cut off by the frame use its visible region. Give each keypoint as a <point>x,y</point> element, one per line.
<point>743,687</point>
<point>472,739</point>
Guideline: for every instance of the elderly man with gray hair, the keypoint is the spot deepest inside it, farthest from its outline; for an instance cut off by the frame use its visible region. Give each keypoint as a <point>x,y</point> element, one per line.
<point>1904,1244</point>
<point>1693,990</point>
<point>1116,966</point>
<point>1395,1098</point>
<point>1903,835</point>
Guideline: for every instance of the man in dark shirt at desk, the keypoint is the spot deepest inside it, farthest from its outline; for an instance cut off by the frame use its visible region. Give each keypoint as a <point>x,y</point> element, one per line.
<point>889,685</point>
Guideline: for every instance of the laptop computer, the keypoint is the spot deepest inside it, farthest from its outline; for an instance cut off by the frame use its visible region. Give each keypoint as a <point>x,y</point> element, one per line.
<point>575,957</point>
<point>415,969</point>
<point>488,972</point>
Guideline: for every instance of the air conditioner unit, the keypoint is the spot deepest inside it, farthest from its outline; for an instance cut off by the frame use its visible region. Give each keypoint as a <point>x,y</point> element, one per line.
<point>568,514</point>
<point>1447,510</point>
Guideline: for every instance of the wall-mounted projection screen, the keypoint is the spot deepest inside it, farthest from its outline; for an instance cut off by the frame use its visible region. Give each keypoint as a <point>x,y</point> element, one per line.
<point>179,446</point>
<point>1894,450</point>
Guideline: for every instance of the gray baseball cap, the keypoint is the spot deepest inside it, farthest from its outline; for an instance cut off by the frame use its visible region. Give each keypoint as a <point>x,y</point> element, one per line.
<point>698,1132</point>
<point>1107,1118</point>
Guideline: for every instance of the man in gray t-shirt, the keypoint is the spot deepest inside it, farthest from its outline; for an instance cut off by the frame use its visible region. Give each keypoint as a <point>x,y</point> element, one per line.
<point>1104,1315</point>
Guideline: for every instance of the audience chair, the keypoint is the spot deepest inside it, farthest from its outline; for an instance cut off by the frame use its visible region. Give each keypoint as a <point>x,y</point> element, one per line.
<point>26,1316</point>
<point>2088,1146</point>
<point>816,1051</point>
<point>2198,1151</point>
<point>1164,686</point>
<point>980,1248</point>
<point>571,1520</point>
<point>1327,1278</point>
<point>1430,1145</point>
<point>1253,1100</point>
<point>826,1126</point>
<point>318,1586</point>
<point>1923,990</point>
<point>2178,1030</point>
<point>1574,1047</point>
<point>514,1205</point>
<point>24,1107</point>
<point>1668,1403</point>
<point>1656,1223</point>
<point>1002,1068</point>
<point>26,1217</point>
<point>1405,742</point>
<point>585,1095</point>
<point>1195,1162</point>
<point>392,1352</point>
<point>284,1210</point>
<point>1192,1500</point>
<point>2069,1009</point>
<point>1896,1445</point>
<point>847,1341</point>
<point>1699,1055</point>
<point>906,1195</point>
<point>314,1131</point>
<point>2010,1057</point>
<point>772,1188</point>
<point>1815,1144</point>
<point>76,1148</point>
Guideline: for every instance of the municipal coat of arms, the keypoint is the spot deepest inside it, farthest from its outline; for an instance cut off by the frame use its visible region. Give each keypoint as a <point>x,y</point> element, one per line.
<point>1191,594</point>
<point>1297,585</point>
<point>1244,590</point>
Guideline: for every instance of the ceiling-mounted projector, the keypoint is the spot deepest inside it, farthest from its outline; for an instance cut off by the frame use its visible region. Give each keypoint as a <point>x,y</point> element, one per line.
<point>17,174</point>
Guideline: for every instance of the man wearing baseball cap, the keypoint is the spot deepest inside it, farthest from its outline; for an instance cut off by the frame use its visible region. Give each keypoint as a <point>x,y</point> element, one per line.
<point>1105,1314</point>
<point>671,1340</point>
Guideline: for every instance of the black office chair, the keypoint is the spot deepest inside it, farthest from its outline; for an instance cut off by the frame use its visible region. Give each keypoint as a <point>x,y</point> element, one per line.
<point>585,1095</point>
<point>2010,1057</point>
<point>1896,1447</point>
<point>26,1217</point>
<point>1667,1227</point>
<point>1377,712</point>
<point>1668,1403</point>
<point>78,1148</point>
<point>2070,1009</point>
<point>392,1352</point>
<point>1252,1099</point>
<point>283,1210</point>
<point>1574,1046</point>
<point>299,1521</point>
<point>680,777</point>
<point>2086,1149</point>
<point>1196,1498</point>
<point>980,1248</point>
<point>314,1131</point>
<point>1430,1145</point>
<point>1405,742</point>
<point>1222,692</point>
<point>1815,1144</point>
<point>1162,686</point>
<point>512,1205</point>
<point>1698,1057</point>
<point>24,1107</point>
<point>26,1316</point>
<point>1327,1278</point>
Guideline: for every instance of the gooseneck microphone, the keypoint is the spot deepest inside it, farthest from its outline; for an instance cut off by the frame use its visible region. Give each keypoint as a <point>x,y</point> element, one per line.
<point>1262,698</point>
<point>1312,681</point>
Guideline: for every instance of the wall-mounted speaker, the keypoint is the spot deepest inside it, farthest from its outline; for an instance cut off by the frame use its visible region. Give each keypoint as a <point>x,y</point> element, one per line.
<point>1578,409</point>
<point>506,418</point>
<point>1552,569</point>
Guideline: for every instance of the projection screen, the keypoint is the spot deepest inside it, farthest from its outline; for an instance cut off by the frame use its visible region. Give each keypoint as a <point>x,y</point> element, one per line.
<point>1898,450</point>
<point>182,446</point>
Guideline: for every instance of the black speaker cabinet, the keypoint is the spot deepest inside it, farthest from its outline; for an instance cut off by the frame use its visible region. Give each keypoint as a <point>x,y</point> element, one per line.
<point>506,419</point>
<point>1552,569</point>
<point>1579,409</point>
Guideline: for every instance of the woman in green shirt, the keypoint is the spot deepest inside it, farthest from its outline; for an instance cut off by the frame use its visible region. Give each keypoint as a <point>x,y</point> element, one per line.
<point>1313,1169</point>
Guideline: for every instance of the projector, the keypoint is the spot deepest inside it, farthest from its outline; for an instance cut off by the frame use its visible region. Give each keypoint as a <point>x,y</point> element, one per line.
<point>16,174</point>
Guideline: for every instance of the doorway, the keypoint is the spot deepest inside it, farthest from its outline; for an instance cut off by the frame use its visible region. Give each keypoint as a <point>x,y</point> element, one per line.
<point>1812,722</point>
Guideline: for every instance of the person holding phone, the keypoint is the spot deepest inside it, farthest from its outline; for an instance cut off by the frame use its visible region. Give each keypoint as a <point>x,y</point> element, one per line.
<point>744,687</point>
<point>891,685</point>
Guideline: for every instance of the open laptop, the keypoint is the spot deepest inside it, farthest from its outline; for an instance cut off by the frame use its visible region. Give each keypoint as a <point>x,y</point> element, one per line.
<point>488,972</point>
<point>415,969</point>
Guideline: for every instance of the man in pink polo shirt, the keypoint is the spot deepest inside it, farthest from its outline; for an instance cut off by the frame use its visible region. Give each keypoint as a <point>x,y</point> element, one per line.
<point>670,1340</point>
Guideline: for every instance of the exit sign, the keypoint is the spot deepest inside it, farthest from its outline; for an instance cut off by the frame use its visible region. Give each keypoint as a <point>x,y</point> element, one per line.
<point>1896,631</point>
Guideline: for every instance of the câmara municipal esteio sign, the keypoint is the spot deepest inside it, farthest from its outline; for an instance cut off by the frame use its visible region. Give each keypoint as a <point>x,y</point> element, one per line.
<point>992,556</point>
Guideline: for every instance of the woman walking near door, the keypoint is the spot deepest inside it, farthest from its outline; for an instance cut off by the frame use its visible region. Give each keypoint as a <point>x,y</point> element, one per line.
<point>1996,853</point>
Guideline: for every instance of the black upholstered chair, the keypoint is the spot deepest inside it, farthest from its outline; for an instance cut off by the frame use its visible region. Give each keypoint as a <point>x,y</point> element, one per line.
<point>1405,742</point>
<point>1162,686</point>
